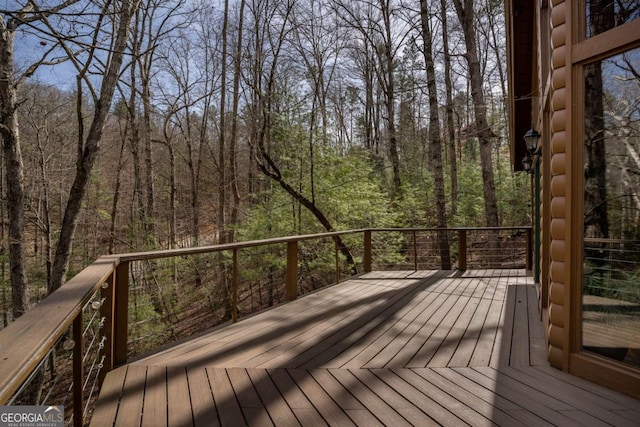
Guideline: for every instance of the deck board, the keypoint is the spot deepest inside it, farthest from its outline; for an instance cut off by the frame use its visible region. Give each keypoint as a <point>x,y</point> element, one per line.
<point>381,409</point>
<point>390,348</point>
<point>330,411</point>
<point>228,407</point>
<point>394,337</point>
<point>484,408</point>
<point>428,406</point>
<point>458,408</point>
<point>203,407</point>
<point>107,406</point>
<point>155,397</point>
<point>178,412</point>
<point>130,411</point>
<point>274,402</point>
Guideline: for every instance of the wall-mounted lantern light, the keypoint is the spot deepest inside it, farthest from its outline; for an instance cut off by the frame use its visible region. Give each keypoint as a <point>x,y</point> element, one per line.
<point>531,140</point>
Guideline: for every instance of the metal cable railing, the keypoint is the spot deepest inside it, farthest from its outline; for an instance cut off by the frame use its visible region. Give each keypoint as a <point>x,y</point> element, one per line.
<point>128,304</point>
<point>53,380</point>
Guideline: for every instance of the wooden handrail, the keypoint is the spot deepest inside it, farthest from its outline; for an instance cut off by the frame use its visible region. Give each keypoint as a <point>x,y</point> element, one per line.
<point>27,340</point>
<point>167,253</point>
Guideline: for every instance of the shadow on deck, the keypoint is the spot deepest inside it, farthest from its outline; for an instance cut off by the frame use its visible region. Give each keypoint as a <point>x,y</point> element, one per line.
<point>386,348</point>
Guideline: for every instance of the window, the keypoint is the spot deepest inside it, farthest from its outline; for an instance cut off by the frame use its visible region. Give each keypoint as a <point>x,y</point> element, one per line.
<point>603,15</point>
<point>611,214</point>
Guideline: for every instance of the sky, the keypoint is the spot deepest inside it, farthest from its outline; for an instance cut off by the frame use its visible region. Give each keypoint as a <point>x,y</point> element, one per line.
<point>30,46</point>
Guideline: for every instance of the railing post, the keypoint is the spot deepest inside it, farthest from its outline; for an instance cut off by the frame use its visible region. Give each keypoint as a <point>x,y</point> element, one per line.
<point>234,284</point>
<point>528,260</point>
<point>107,311</point>
<point>415,251</point>
<point>462,250</point>
<point>78,371</point>
<point>292,270</point>
<point>121,323</point>
<point>336,254</point>
<point>367,251</point>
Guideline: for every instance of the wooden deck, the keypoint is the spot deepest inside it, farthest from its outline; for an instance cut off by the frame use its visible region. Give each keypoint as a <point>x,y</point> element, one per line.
<point>388,348</point>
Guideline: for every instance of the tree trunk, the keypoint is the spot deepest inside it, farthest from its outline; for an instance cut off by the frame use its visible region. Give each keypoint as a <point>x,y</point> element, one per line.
<point>150,220</point>
<point>45,207</point>
<point>233,139</point>
<point>116,194</point>
<point>14,168</point>
<point>173,191</point>
<point>139,210</point>
<point>481,126</point>
<point>434,137</point>
<point>222,164</point>
<point>172,181</point>
<point>90,150</point>
<point>450,126</point>
<point>389,92</point>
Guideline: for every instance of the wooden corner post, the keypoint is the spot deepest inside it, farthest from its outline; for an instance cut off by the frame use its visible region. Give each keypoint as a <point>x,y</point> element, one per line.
<point>462,250</point>
<point>367,251</point>
<point>234,284</point>
<point>120,330</point>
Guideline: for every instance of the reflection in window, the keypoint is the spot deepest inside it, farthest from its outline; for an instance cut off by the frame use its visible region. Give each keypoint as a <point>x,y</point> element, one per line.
<point>603,15</point>
<point>611,272</point>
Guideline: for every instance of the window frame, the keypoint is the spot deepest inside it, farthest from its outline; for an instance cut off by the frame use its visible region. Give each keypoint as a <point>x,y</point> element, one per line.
<point>584,51</point>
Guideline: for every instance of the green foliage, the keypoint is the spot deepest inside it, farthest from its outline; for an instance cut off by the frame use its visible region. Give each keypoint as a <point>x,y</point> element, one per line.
<point>346,190</point>
<point>513,194</point>
<point>351,192</point>
<point>143,324</point>
<point>621,286</point>
<point>413,207</point>
<point>470,211</point>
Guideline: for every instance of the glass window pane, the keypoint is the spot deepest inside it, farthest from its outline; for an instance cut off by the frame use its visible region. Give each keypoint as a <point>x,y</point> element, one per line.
<point>603,15</point>
<point>611,263</point>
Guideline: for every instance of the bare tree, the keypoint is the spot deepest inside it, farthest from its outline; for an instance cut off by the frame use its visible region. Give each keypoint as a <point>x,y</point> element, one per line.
<point>481,129</point>
<point>383,38</point>
<point>233,137</point>
<point>153,21</point>
<point>10,82</point>
<point>45,114</point>
<point>449,119</point>
<point>434,135</point>
<point>265,95</point>
<point>317,40</point>
<point>222,161</point>
<point>88,146</point>
<point>189,68</point>
<point>120,113</point>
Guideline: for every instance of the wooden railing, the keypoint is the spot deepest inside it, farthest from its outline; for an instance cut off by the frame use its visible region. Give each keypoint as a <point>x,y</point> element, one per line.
<point>30,341</point>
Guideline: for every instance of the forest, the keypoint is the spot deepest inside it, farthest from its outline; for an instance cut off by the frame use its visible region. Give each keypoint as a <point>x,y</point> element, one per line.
<point>134,125</point>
